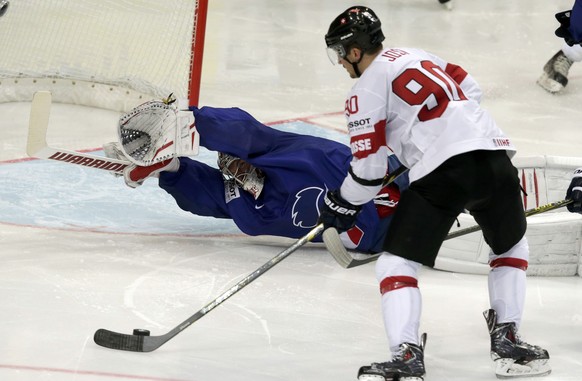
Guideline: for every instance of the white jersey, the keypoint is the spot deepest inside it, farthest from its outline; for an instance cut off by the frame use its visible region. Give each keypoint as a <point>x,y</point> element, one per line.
<point>417,106</point>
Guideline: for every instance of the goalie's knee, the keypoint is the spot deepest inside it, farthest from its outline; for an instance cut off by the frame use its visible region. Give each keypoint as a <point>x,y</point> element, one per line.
<point>394,272</point>
<point>517,257</point>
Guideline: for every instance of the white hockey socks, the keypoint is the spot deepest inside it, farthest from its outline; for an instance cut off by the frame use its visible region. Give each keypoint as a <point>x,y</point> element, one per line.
<point>507,282</point>
<point>401,299</point>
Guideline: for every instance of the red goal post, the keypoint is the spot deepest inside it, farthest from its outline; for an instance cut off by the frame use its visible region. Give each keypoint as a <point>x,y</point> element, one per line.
<point>111,54</point>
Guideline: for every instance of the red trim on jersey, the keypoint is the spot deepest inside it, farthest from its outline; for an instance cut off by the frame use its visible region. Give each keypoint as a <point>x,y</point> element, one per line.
<point>355,234</point>
<point>509,262</point>
<point>392,283</point>
<point>366,144</point>
<point>456,72</point>
<point>392,194</point>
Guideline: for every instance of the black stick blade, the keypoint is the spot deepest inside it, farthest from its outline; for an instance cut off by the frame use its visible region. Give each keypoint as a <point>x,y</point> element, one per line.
<point>120,341</point>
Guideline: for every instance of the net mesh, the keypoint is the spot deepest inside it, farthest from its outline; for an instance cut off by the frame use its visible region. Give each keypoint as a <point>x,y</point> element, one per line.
<point>139,46</point>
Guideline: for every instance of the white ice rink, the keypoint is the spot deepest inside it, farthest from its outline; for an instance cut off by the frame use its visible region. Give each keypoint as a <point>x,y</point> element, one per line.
<point>80,251</point>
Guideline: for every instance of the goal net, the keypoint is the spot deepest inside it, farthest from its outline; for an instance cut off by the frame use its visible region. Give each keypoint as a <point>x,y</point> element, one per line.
<point>111,54</point>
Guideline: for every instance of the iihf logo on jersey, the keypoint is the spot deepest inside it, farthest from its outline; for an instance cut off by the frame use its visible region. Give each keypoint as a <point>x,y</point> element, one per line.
<point>303,213</point>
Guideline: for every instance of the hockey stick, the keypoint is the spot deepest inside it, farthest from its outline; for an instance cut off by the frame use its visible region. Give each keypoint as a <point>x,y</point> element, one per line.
<point>36,145</point>
<point>333,242</point>
<point>145,343</point>
<point>529,212</point>
<point>347,261</point>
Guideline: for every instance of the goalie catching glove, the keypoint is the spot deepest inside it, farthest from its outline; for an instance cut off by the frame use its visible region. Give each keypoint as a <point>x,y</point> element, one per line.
<point>157,131</point>
<point>337,212</point>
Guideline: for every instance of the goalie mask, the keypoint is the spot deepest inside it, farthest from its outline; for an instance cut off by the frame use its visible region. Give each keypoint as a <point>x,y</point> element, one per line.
<point>249,178</point>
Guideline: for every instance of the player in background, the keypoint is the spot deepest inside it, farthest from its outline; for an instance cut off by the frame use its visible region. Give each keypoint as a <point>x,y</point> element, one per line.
<point>426,111</point>
<point>574,192</point>
<point>269,182</point>
<point>555,75</point>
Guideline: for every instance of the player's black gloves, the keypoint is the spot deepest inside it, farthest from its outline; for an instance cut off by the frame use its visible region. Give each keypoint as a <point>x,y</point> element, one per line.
<point>575,192</point>
<point>337,212</point>
<point>563,32</point>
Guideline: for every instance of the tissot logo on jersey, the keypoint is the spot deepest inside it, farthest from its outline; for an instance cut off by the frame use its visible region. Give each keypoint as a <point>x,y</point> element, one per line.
<point>360,126</point>
<point>359,122</point>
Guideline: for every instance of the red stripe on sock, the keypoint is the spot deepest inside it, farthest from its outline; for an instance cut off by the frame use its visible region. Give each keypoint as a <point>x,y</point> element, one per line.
<point>392,283</point>
<point>509,262</point>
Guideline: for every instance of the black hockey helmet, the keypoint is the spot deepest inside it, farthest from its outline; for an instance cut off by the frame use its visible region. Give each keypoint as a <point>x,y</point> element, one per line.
<point>356,26</point>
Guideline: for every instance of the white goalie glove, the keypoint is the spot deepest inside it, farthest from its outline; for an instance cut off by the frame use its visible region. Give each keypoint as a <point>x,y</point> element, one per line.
<point>157,131</point>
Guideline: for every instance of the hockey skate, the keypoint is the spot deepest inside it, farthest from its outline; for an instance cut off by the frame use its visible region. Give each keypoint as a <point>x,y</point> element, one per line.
<point>406,365</point>
<point>513,357</point>
<point>555,75</point>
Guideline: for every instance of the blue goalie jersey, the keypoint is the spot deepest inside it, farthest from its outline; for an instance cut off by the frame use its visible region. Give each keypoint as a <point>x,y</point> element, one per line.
<point>299,170</point>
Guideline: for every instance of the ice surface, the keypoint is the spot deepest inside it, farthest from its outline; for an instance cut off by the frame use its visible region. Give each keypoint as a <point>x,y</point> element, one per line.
<point>79,251</point>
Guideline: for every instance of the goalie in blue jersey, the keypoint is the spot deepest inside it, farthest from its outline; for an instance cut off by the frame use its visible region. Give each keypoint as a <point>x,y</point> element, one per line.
<point>269,182</point>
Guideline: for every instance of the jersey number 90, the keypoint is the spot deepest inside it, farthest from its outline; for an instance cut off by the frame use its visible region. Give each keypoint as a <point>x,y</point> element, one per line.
<point>415,87</point>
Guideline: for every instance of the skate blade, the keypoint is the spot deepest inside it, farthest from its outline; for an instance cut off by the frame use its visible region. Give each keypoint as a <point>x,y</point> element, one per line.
<point>372,377</point>
<point>507,368</point>
<point>549,84</point>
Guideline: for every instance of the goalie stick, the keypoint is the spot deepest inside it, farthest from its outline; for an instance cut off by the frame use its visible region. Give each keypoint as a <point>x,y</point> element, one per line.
<point>347,261</point>
<point>36,145</point>
<point>141,343</point>
<point>187,140</point>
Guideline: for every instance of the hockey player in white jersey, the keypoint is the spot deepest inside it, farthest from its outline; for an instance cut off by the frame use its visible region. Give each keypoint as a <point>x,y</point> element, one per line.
<point>555,75</point>
<point>426,111</point>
